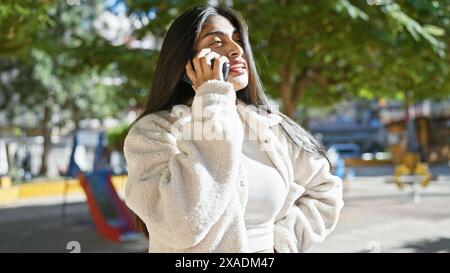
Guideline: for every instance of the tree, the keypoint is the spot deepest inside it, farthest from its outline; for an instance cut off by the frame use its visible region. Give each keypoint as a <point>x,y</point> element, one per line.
<point>19,20</point>
<point>45,77</point>
<point>334,49</point>
<point>52,58</point>
<point>318,52</point>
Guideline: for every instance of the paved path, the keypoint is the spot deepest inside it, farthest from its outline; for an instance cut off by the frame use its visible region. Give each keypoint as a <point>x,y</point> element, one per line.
<point>38,226</point>
<point>377,217</point>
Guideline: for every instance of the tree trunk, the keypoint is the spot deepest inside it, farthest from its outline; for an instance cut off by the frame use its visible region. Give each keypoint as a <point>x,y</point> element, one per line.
<point>76,116</point>
<point>47,133</point>
<point>292,91</point>
<point>286,93</point>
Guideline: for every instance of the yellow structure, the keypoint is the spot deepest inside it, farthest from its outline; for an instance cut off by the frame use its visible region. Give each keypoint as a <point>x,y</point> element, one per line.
<point>5,181</point>
<point>411,165</point>
<point>11,193</point>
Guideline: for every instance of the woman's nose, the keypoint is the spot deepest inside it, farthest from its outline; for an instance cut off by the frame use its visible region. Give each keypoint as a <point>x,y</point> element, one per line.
<point>235,51</point>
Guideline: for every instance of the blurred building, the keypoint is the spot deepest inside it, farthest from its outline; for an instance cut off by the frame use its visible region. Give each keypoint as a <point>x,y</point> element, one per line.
<point>381,125</point>
<point>354,122</point>
<point>432,126</point>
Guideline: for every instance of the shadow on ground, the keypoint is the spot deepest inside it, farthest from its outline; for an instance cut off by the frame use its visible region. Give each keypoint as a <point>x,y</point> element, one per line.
<point>46,228</point>
<point>429,246</point>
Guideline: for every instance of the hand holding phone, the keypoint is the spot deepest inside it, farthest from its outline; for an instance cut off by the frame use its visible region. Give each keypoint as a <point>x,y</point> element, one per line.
<point>207,72</point>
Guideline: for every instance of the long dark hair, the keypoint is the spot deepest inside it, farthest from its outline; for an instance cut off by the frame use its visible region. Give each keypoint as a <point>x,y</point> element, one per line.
<point>168,88</point>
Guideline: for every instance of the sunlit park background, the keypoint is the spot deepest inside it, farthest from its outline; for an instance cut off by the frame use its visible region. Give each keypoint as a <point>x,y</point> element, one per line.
<point>370,78</point>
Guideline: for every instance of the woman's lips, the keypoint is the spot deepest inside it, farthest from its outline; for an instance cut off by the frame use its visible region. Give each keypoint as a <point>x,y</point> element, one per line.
<point>237,70</point>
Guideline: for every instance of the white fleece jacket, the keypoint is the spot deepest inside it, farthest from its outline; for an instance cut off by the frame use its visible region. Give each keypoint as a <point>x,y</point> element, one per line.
<point>192,193</point>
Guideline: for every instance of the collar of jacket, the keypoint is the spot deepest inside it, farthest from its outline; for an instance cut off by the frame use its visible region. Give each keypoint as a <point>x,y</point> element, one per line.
<point>265,120</point>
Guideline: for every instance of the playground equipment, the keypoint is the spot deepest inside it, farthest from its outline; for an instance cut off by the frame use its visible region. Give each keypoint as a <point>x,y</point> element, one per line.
<point>412,172</point>
<point>71,172</point>
<point>111,216</point>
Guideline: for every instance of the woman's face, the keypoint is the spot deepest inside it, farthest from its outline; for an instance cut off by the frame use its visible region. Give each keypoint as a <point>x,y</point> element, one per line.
<point>221,36</point>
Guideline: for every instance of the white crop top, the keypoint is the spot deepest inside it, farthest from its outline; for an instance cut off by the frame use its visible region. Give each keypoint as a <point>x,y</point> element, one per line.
<point>266,193</point>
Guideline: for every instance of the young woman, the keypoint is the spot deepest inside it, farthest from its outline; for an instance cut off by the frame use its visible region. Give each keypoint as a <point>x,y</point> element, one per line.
<point>208,171</point>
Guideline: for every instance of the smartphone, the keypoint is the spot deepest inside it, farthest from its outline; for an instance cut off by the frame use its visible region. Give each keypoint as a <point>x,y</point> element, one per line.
<point>225,69</point>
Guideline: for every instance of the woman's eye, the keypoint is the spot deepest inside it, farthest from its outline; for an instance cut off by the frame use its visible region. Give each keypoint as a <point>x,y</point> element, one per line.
<point>216,42</point>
